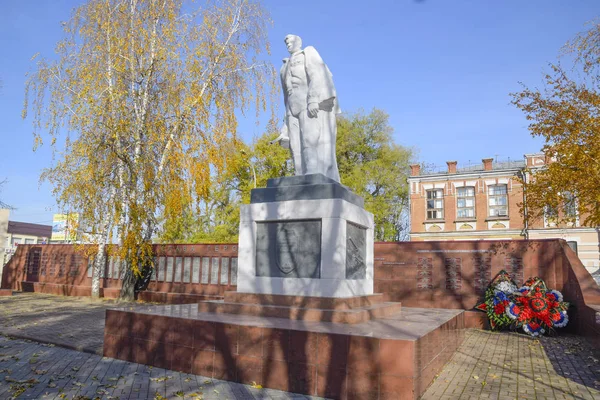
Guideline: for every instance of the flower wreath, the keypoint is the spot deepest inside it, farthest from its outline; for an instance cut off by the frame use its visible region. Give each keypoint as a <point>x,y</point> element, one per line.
<point>533,307</point>
<point>497,299</point>
<point>537,309</point>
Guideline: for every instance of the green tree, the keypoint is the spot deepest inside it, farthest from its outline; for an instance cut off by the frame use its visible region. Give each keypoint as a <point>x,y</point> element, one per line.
<point>566,114</point>
<point>148,93</point>
<point>376,168</point>
<point>370,163</point>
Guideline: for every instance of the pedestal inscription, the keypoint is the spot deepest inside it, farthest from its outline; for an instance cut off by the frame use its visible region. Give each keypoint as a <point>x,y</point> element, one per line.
<point>356,251</point>
<point>288,249</point>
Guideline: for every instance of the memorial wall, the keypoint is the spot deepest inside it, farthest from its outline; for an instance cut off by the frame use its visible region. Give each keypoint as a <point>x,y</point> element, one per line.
<point>417,274</point>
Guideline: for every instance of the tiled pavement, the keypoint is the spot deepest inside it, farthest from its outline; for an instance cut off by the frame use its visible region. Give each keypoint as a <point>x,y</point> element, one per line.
<point>487,366</point>
<point>72,322</point>
<point>503,366</point>
<point>29,370</point>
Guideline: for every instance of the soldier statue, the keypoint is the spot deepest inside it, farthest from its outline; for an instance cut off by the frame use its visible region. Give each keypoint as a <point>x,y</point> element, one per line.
<point>311,106</point>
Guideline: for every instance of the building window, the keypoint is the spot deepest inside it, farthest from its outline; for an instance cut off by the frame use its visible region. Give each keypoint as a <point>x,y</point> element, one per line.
<point>435,204</point>
<point>570,206</point>
<point>465,202</point>
<point>16,241</point>
<point>30,241</point>
<point>498,200</point>
<point>550,215</point>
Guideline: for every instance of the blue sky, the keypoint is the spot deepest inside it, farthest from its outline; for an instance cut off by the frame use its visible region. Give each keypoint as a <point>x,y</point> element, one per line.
<point>442,69</point>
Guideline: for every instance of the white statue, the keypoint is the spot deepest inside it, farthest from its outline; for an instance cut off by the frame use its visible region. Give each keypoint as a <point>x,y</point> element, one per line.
<point>310,107</point>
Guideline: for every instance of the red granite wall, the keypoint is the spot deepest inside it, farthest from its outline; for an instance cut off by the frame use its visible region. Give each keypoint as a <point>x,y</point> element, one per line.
<point>185,273</point>
<point>455,274</point>
<point>447,274</point>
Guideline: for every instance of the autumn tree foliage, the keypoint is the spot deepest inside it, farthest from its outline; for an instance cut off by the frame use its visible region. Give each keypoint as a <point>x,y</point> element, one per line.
<point>566,113</point>
<point>215,217</point>
<point>140,105</point>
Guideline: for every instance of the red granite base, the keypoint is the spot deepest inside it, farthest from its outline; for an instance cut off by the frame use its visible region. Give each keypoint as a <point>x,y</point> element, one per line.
<point>112,293</point>
<point>6,292</point>
<point>55,288</point>
<point>395,357</point>
<point>351,310</point>
<point>326,303</point>
<point>175,298</point>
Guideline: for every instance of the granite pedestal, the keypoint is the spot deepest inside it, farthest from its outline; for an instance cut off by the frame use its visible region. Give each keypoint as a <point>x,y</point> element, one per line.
<point>304,318</point>
<point>305,235</point>
<point>391,358</point>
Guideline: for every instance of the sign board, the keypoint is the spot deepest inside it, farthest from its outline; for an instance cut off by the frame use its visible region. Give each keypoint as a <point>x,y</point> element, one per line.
<point>64,227</point>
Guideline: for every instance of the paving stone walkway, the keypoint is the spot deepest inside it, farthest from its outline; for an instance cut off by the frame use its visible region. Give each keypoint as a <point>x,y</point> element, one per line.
<point>30,370</point>
<point>508,366</point>
<point>73,322</point>
<point>488,365</point>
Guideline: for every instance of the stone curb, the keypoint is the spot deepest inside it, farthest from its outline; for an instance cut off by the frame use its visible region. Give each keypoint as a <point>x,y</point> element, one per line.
<point>83,349</point>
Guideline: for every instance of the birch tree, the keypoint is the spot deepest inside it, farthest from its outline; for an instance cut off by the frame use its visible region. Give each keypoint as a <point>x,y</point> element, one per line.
<point>140,106</point>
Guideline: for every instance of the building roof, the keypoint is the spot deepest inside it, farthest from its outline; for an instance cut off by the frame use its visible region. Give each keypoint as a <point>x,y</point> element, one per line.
<point>515,164</point>
<point>25,228</point>
<point>436,171</point>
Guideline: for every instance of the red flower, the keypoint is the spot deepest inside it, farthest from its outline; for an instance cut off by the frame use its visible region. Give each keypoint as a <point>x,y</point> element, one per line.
<point>534,325</point>
<point>499,308</point>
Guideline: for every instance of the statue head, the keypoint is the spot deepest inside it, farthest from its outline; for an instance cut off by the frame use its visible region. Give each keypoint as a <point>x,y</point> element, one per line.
<point>293,43</point>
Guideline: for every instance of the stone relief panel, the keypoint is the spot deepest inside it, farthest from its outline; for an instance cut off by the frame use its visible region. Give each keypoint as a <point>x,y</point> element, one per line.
<point>196,261</point>
<point>289,249</point>
<point>224,271</point>
<point>234,270</point>
<point>187,269</point>
<point>161,269</point>
<point>356,251</point>
<point>169,277</point>
<point>214,271</point>
<point>178,269</point>
<point>205,268</point>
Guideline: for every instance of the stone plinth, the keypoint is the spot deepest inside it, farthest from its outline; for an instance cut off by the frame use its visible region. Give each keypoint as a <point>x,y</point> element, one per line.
<point>305,235</point>
<point>393,358</point>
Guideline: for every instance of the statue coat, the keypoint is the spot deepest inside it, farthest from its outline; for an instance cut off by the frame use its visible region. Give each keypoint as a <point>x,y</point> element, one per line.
<point>305,80</point>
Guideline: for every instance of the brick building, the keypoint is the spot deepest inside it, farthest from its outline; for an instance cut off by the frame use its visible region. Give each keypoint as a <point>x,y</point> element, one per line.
<point>482,202</point>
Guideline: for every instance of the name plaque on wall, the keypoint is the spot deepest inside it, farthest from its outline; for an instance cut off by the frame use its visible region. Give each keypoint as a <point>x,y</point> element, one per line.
<point>356,251</point>
<point>288,249</point>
